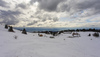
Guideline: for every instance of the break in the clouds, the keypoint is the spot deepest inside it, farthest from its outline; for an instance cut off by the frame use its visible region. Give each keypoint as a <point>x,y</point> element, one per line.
<point>50,13</point>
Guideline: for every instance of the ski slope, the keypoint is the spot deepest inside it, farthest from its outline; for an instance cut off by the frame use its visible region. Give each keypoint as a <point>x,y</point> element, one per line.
<point>31,45</point>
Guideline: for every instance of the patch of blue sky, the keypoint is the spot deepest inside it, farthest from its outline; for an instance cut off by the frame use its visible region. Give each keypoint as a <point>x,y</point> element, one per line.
<point>78,14</point>
<point>82,12</point>
<point>89,20</point>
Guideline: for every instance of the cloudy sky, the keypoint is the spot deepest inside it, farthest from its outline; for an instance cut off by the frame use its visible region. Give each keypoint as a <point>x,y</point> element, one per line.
<point>50,13</point>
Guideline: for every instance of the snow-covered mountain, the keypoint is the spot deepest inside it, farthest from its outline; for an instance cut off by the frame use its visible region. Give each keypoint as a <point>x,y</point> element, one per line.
<point>31,45</point>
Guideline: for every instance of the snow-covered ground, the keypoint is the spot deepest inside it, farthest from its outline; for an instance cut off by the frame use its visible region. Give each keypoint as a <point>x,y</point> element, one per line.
<point>31,45</point>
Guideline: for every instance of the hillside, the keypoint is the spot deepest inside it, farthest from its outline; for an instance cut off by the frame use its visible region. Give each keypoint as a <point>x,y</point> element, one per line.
<point>31,45</point>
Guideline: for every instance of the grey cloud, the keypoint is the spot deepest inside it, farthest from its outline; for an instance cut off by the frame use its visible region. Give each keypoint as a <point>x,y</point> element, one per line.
<point>32,23</point>
<point>64,7</point>
<point>22,5</point>
<point>3,3</point>
<point>9,17</point>
<point>46,17</point>
<point>55,19</point>
<point>43,20</point>
<point>31,16</point>
<point>9,12</point>
<point>32,1</point>
<point>39,24</point>
<point>94,5</point>
<point>10,22</point>
<point>89,4</point>
<point>48,5</point>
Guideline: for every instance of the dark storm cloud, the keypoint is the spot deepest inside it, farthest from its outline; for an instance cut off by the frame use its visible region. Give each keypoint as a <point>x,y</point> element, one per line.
<point>3,3</point>
<point>9,17</point>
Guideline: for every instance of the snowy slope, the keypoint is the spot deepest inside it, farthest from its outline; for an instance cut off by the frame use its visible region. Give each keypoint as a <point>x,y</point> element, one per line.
<point>31,45</point>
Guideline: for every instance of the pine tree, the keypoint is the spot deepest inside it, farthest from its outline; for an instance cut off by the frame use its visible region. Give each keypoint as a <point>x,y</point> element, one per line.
<point>10,29</point>
<point>83,30</point>
<point>94,29</point>
<point>24,31</point>
<point>90,29</point>
<point>6,26</point>
<point>77,30</point>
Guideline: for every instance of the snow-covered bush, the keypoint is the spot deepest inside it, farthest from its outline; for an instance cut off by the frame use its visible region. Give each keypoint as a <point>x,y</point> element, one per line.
<point>51,37</point>
<point>89,35</point>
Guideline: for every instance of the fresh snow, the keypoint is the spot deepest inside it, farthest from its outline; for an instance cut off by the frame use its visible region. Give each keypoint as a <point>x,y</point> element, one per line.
<point>31,45</point>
